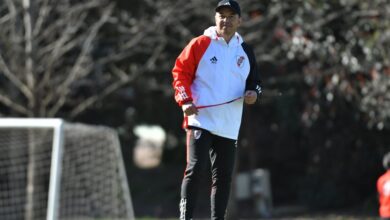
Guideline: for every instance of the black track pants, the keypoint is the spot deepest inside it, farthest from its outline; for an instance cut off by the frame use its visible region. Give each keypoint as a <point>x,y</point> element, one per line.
<point>202,147</point>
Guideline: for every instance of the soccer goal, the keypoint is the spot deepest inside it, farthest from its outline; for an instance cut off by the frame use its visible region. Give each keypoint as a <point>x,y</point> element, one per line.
<point>51,169</point>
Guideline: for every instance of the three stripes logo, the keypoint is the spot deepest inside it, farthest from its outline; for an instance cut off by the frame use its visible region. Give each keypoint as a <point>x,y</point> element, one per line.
<point>258,89</point>
<point>183,210</point>
<point>181,93</point>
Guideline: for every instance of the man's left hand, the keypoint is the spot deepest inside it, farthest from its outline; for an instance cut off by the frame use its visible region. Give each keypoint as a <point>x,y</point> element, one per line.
<point>250,97</point>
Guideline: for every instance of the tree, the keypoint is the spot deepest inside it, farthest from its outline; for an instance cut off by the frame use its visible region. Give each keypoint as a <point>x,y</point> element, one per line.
<point>328,66</point>
<point>62,57</point>
<point>338,48</point>
<point>58,58</point>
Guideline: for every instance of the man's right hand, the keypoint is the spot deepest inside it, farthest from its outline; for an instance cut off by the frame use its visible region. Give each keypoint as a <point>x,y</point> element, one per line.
<point>189,109</point>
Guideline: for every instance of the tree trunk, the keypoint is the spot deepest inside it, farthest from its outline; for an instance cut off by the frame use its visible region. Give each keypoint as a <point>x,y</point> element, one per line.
<point>31,168</point>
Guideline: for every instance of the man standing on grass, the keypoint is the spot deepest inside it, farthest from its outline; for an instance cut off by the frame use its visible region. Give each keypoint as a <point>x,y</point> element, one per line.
<point>213,77</point>
<point>383,186</point>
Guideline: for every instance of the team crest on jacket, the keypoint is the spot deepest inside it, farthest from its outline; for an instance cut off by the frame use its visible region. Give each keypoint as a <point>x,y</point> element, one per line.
<point>240,60</point>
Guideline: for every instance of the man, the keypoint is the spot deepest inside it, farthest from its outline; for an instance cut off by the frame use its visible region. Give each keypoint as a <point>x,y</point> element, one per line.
<point>213,76</point>
<point>383,186</point>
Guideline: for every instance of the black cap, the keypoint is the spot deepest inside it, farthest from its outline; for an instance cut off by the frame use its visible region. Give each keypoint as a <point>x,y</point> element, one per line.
<point>230,4</point>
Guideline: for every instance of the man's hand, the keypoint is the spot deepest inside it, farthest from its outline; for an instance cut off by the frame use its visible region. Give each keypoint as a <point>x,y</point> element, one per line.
<point>250,97</point>
<point>189,109</point>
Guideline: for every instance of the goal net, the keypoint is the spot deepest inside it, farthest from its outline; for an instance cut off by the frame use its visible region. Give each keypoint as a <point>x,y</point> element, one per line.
<point>50,169</point>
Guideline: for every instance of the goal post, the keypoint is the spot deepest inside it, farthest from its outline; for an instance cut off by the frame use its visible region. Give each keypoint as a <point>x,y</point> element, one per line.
<point>51,169</point>
<point>55,170</point>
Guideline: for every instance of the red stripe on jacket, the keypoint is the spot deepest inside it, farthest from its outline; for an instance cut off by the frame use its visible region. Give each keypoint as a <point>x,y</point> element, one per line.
<point>185,68</point>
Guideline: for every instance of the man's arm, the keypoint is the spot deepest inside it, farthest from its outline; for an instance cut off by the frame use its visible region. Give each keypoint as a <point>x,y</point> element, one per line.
<point>185,68</point>
<point>252,87</point>
<point>183,73</point>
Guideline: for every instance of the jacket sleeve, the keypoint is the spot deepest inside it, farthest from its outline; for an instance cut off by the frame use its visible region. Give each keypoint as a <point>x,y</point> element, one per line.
<point>185,68</point>
<point>253,80</point>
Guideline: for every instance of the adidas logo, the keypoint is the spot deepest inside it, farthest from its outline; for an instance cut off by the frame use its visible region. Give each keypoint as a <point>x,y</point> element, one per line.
<point>214,60</point>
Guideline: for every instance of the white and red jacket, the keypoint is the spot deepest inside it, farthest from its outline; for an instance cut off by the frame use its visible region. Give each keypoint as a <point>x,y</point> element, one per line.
<point>383,187</point>
<point>214,75</point>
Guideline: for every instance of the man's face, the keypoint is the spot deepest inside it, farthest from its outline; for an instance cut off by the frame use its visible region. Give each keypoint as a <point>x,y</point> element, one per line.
<point>227,21</point>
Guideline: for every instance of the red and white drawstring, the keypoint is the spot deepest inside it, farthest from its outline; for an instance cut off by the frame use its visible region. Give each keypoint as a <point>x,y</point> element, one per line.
<point>209,106</point>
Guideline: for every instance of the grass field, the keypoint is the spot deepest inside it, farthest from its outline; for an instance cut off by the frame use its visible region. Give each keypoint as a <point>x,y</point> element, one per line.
<point>287,214</point>
<point>295,217</point>
<point>330,217</point>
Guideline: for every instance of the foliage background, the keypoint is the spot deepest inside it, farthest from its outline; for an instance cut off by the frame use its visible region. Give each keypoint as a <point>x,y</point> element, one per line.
<point>321,126</point>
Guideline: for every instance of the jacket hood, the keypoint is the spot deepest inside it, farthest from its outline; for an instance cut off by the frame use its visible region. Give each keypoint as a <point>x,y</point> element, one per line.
<point>212,33</point>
